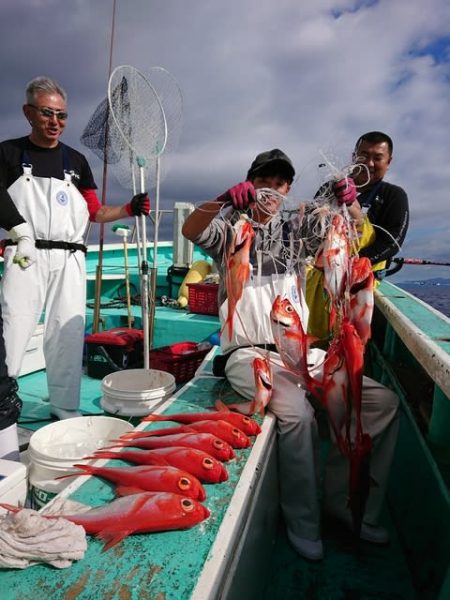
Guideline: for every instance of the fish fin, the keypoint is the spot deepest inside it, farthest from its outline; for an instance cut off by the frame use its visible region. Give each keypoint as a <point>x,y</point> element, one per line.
<point>221,406</point>
<point>76,474</point>
<point>10,507</point>
<point>121,445</point>
<point>111,537</point>
<point>152,417</point>
<point>128,490</point>
<point>245,408</point>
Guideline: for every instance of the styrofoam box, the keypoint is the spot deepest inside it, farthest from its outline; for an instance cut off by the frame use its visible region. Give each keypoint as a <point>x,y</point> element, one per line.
<point>13,483</point>
<point>34,354</point>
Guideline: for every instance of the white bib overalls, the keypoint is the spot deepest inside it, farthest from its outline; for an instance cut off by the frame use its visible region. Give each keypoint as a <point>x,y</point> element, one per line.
<point>56,282</point>
<point>298,439</point>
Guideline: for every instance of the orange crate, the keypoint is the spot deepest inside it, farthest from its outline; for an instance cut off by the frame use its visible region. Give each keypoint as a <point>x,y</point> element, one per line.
<point>181,359</point>
<point>203,298</point>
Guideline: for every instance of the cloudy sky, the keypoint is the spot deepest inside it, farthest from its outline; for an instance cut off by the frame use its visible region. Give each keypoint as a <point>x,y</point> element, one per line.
<point>305,76</point>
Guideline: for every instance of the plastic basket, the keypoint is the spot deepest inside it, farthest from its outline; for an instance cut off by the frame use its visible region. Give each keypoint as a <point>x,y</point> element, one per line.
<point>203,298</point>
<point>181,359</point>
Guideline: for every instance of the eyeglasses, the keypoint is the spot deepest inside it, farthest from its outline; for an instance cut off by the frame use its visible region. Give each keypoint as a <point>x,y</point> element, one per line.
<point>48,113</point>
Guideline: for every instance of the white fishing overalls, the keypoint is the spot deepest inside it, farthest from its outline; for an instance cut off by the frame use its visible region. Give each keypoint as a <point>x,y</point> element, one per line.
<point>56,211</point>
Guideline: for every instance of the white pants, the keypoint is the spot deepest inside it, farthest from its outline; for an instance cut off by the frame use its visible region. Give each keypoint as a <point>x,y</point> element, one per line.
<point>298,445</point>
<point>55,281</point>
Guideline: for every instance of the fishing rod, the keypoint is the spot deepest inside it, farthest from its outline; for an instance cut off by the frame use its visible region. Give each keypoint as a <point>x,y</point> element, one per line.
<point>99,270</point>
<point>399,262</point>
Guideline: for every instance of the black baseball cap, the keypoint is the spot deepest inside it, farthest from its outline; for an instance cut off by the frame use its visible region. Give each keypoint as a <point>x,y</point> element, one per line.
<point>274,162</point>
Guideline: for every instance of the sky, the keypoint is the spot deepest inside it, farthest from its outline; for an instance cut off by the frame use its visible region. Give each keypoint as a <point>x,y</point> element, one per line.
<point>307,77</point>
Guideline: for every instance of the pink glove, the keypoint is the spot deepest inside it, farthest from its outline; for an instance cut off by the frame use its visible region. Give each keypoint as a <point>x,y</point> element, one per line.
<point>241,195</point>
<point>345,191</point>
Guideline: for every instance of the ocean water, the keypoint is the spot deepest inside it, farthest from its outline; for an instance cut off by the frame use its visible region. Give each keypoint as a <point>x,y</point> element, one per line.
<point>437,295</point>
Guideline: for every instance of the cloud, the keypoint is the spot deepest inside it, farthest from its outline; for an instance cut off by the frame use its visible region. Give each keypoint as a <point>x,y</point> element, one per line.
<point>306,77</point>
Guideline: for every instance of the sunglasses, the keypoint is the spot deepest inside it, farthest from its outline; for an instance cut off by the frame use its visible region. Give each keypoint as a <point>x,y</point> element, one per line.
<point>48,113</point>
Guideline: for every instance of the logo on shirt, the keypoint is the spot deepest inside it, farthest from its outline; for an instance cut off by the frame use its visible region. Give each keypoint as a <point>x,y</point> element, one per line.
<point>62,198</point>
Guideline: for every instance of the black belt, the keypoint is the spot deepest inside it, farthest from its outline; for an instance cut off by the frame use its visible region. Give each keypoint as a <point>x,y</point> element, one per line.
<point>49,244</point>
<point>220,361</point>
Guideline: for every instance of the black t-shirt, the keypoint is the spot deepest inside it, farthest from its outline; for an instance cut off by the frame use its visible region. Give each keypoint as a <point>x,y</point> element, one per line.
<point>388,211</point>
<point>46,162</point>
<point>9,215</point>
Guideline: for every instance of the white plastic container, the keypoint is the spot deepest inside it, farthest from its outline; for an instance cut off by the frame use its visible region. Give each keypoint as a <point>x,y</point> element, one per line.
<point>135,392</point>
<point>13,483</point>
<point>54,449</point>
<point>9,443</point>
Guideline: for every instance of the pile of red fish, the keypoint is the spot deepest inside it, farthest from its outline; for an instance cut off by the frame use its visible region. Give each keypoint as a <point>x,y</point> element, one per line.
<point>164,491</point>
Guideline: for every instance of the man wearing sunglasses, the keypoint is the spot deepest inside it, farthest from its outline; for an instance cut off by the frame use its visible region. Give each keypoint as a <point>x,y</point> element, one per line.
<point>52,186</point>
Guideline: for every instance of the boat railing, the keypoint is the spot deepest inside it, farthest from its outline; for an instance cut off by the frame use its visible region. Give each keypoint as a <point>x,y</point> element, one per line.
<point>425,333</point>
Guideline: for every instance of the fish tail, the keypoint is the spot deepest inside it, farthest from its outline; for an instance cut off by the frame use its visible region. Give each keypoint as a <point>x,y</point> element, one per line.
<point>155,418</point>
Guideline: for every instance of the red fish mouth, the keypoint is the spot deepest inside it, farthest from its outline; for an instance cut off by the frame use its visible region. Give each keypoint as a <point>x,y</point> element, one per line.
<point>284,323</point>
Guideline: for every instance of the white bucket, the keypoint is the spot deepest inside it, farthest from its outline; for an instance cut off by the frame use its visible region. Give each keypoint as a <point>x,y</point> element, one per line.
<point>135,392</point>
<point>54,449</point>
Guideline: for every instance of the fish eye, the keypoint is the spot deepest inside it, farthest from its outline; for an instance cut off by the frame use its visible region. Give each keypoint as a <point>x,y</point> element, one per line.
<point>187,504</point>
<point>236,432</point>
<point>207,463</point>
<point>184,483</point>
<point>289,308</point>
<point>218,444</point>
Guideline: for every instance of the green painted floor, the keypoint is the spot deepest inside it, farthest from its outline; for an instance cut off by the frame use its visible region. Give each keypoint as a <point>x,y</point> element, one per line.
<point>349,571</point>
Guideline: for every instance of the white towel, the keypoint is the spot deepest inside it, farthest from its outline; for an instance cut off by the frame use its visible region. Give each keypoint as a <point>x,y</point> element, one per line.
<point>27,538</point>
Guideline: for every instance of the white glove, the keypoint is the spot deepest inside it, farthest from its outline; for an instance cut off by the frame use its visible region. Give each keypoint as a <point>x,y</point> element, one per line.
<point>26,250</point>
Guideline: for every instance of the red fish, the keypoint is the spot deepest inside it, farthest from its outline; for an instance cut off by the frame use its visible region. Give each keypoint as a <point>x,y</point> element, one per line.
<point>263,385</point>
<point>149,478</point>
<point>334,391</point>
<point>245,424</point>
<point>222,429</point>
<point>336,252</point>
<point>201,441</point>
<point>237,267</point>
<point>361,296</point>
<point>291,340</point>
<point>148,512</point>
<point>359,450</point>
<point>200,464</point>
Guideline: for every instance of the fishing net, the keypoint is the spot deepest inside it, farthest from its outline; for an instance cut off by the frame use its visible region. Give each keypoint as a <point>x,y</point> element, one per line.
<point>139,118</point>
<point>171,100</point>
<point>128,129</point>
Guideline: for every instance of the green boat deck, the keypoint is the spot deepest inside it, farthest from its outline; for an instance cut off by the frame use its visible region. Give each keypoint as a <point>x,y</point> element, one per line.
<point>240,551</point>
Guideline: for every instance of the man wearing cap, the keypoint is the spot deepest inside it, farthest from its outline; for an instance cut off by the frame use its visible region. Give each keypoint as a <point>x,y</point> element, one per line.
<point>276,242</point>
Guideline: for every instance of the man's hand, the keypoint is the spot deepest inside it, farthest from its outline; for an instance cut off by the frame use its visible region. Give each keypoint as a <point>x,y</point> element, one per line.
<point>241,196</point>
<point>138,205</point>
<point>26,250</point>
<point>345,191</point>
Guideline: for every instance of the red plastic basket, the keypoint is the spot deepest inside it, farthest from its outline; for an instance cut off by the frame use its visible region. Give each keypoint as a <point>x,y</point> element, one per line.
<point>203,298</point>
<point>181,359</point>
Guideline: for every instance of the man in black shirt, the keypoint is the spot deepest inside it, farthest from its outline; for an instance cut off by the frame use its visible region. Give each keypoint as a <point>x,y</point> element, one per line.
<point>386,204</point>
<point>53,189</point>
